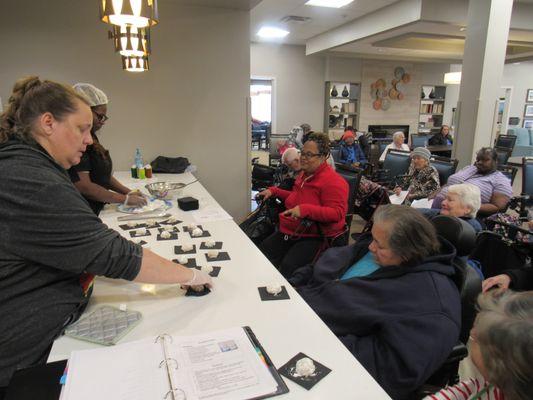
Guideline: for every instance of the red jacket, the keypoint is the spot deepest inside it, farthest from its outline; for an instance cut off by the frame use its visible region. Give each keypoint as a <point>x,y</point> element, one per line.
<point>322,197</point>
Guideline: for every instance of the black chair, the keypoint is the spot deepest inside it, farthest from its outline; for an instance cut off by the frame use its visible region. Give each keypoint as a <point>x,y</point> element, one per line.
<point>509,171</point>
<point>418,140</point>
<point>460,234</point>
<point>527,176</point>
<point>505,142</point>
<point>353,177</point>
<point>503,155</point>
<point>445,167</point>
<point>396,164</point>
<point>382,143</point>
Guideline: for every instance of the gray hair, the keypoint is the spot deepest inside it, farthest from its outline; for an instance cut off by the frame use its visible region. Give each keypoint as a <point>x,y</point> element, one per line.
<point>290,155</point>
<point>504,331</point>
<point>469,196</point>
<point>397,134</point>
<point>412,237</point>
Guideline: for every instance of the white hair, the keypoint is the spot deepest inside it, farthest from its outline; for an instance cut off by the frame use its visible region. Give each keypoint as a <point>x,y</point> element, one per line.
<point>469,195</point>
<point>397,134</point>
<point>290,155</point>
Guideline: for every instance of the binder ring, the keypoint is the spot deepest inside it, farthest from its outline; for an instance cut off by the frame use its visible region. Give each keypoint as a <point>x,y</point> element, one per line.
<point>168,361</point>
<point>177,394</point>
<point>163,337</point>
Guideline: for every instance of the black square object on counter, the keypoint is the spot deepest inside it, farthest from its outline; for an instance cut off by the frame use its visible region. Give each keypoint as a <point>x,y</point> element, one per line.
<point>192,292</point>
<point>173,236</point>
<point>289,371</point>
<point>186,228</point>
<point>126,227</point>
<point>204,234</point>
<point>191,262</point>
<point>174,229</point>
<point>178,250</point>
<point>133,234</point>
<point>188,203</point>
<point>217,246</point>
<point>214,273</point>
<point>222,256</point>
<point>283,295</point>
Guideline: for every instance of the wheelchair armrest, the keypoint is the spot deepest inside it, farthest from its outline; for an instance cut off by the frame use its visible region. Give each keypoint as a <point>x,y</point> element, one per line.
<point>458,352</point>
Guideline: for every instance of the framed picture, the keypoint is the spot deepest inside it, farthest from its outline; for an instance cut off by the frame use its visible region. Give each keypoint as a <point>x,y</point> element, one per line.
<point>529,97</point>
<point>528,123</point>
<point>528,111</point>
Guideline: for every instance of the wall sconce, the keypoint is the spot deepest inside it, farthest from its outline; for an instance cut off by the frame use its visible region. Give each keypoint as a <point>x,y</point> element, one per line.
<point>135,64</point>
<point>139,13</point>
<point>130,41</point>
<point>452,78</point>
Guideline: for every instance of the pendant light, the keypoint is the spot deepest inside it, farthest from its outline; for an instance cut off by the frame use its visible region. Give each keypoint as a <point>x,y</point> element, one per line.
<point>135,64</point>
<point>138,13</point>
<point>130,41</point>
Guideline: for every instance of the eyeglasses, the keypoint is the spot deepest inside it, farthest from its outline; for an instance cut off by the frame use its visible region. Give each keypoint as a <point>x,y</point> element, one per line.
<point>308,154</point>
<point>100,117</point>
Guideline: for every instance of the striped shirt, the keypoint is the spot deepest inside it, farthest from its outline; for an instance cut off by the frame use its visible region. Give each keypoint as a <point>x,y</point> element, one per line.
<point>495,182</point>
<point>471,389</point>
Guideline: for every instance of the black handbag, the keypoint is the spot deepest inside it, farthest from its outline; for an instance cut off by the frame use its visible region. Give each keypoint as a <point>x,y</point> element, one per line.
<point>262,222</point>
<point>168,165</point>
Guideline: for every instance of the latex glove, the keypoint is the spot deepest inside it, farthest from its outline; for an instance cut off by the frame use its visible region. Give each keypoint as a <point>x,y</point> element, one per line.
<point>199,278</point>
<point>135,199</point>
<point>498,282</point>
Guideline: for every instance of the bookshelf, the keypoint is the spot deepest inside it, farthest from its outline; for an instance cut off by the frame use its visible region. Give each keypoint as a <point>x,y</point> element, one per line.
<point>341,108</point>
<point>431,111</point>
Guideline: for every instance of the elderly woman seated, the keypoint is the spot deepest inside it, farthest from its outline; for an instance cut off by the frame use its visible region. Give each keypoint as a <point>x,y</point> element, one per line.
<point>291,159</point>
<point>389,298</point>
<point>462,201</point>
<point>501,348</point>
<point>495,188</point>
<point>422,179</point>
<point>398,143</point>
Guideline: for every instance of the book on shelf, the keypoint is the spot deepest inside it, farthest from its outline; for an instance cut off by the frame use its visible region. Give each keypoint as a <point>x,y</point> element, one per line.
<point>229,364</point>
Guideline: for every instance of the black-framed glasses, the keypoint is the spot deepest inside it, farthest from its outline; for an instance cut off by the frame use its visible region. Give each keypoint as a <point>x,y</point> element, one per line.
<point>100,117</point>
<point>308,154</point>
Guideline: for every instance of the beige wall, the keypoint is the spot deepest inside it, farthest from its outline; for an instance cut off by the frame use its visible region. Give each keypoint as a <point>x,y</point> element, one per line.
<point>298,84</point>
<point>193,101</point>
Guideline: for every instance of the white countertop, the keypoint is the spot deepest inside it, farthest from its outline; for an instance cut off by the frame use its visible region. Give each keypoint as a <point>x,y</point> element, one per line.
<point>284,327</point>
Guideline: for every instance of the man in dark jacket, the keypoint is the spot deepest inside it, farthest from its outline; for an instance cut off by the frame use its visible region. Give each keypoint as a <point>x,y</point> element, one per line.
<point>394,307</point>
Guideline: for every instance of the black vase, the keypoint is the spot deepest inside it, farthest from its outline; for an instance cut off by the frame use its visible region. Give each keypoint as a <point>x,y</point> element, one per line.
<point>345,92</point>
<point>334,92</point>
<point>432,94</point>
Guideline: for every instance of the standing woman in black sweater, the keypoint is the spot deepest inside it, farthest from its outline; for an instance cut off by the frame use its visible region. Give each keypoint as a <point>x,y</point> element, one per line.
<point>93,176</point>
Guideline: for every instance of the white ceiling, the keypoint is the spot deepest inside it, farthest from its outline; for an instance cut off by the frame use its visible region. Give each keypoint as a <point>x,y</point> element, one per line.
<point>231,4</point>
<point>433,41</point>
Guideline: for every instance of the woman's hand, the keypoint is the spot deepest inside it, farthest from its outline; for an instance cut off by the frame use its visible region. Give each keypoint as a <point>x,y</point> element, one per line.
<point>501,282</point>
<point>397,190</point>
<point>293,212</point>
<point>135,199</point>
<point>198,280</point>
<point>264,195</point>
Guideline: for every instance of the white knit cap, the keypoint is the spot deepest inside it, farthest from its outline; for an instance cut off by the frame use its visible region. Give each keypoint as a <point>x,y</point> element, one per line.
<point>95,96</point>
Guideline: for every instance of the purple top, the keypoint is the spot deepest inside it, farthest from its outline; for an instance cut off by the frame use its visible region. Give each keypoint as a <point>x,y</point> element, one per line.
<point>487,184</point>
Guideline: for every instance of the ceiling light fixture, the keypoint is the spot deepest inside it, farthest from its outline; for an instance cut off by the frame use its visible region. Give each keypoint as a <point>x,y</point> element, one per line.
<point>135,64</point>
<point>328,3</point>
<point>270,32</point>
<point>130,41</point>
<point>452,78</point>
<point>139,13</point>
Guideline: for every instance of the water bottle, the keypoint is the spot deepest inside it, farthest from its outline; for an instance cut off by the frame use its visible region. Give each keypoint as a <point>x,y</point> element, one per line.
<point>139,164</point>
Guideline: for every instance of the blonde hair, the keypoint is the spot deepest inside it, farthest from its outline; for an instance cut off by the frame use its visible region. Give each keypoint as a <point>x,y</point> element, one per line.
<point>31,98</point>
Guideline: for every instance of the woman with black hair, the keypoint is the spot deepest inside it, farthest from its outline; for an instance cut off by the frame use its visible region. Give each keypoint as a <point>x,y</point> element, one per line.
<point>319,194</point>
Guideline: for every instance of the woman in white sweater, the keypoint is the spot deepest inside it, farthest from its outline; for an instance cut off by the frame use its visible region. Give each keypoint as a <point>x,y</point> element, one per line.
<point>397,144</point>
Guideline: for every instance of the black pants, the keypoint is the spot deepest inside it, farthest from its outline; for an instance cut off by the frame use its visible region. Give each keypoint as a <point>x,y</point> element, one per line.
<point>288,254</point>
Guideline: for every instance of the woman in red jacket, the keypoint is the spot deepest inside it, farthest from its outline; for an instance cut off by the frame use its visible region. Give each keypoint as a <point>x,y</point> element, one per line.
<point>319,194</point>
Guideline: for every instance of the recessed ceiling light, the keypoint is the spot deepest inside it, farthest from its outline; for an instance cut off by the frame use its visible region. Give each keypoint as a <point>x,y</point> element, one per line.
<point>328,3</point>
<point>272,32</point>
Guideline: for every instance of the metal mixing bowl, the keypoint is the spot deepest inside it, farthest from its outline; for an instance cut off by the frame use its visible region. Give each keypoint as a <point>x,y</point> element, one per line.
<point>160,190</point>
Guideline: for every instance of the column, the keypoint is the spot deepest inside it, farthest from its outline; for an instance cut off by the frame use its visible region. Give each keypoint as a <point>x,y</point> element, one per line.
<point>483,61</point>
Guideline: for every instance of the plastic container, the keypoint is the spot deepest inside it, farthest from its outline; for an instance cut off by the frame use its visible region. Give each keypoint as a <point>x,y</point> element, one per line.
<point>141,173</point>
<point>148,171</point>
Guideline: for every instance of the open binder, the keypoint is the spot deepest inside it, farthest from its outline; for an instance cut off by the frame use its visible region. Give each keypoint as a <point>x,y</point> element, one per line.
<point>228,364</point>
